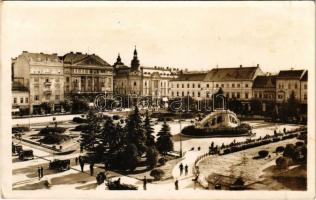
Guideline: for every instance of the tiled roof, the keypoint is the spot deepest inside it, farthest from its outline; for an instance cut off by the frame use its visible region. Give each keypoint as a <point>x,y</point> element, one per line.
<point>290,74</point>
<point>231,74</point>
<point>264,82</point>
<point>305,76</point>
<point>73,58</point>
<point>40,57</point>
<point>16,86</point>
<point>191,77</point>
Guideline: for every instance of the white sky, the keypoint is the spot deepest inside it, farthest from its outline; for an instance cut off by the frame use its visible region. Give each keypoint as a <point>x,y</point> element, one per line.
<point>277,35</point>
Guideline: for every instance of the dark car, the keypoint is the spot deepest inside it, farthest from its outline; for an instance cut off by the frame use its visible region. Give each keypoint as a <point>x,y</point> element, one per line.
<point>26,155</point>
<point>16,149</point>
<point>60,165</point>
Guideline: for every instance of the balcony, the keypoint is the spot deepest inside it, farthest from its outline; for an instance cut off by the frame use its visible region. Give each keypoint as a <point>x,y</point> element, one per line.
<point>47,92</point>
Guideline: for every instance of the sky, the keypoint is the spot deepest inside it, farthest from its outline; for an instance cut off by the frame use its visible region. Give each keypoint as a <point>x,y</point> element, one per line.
<point>196,36</point>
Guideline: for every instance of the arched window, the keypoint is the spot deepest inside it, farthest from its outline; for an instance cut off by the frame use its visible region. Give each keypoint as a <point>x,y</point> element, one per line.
<point>135,83</point>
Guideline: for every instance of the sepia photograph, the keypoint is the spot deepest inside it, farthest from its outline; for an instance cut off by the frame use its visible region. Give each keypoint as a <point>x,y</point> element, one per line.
<point>173,100</point>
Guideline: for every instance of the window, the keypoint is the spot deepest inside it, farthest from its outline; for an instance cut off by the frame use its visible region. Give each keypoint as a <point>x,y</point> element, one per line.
<point>182,85</point>
<point>305,96</point>
<point>134,83</point>
<point>199,94</point>
<point>188,85</point>
<point>238,85</point>
<point>246,95</point>
<point>177,85</point>
<point>188,93</point>
<point>183,94</point>
<point>222,85</point>
<point>238,95</point>
<point>145,83</point>
<point>233,94</point>
<point>193,86</point>
<point>199,86</point>
<point>26,99</point>
<point>295,86</point>
<point>305,86</point>
<point>57,97</point>
<point>177,94</point>
<point>233,85</point>
<point>207,85</point>
<point>256,95</point>
<point>260,95</point>
<point>216,85</point>
<point>36,97</point>
<point>67,79</point>
<point>280,96</point>
<point>36,79</point>
<point>21,100</point>
<point>14,100</point>
<point>172,93</point>
<point>192,94</point>
<point>246,85</point>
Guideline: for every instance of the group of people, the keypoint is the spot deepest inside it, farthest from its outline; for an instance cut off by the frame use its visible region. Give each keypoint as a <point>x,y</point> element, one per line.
<point>185,168</point>
<point>40,172</point>
<point>81,163</point>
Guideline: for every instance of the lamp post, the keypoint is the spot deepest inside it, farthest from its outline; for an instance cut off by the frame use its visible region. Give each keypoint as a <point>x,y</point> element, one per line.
<point>180,135</point>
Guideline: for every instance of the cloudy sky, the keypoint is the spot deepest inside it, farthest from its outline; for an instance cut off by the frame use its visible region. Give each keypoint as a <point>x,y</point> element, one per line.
<point>276,35</point>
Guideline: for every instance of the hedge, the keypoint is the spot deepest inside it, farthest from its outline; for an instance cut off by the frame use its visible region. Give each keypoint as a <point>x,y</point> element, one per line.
<point>49,130</point>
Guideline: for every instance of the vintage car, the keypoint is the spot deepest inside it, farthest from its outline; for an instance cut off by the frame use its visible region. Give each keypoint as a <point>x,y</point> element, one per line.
<point>16,149</point>
<point>26,155</point>
<point>60,165</point>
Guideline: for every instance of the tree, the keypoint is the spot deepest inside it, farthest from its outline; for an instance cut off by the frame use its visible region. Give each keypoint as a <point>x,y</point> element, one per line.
<point>135,131</point>
<point>46,107</point>
<point>151,157</point>
<point>66,105</point>
<point>149,131</point>
<point>79,106</point>
<point>164,141</point>
<point>157,174</point>
<point>130,157</point>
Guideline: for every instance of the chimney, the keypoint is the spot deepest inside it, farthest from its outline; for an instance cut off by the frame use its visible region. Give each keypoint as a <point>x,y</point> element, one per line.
<point>258,65</point>
<point>240,66</point>
<point>24,51</point>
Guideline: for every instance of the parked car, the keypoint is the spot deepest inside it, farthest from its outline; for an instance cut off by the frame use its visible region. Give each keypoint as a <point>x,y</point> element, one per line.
<point>26,155</point>
<point>16,149</point>
<point>60,165</point>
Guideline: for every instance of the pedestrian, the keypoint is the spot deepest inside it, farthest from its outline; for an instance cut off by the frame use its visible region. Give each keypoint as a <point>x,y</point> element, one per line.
<point>91,169</point>
<point>42,172</point>
<point>186,169</point>
<point>81,148</point>
<point>39,173</point>
<point>176,184</point>
<point>181,169</point>
<point>81,164</point>
<point>76,160</point>
<point>145,183</point>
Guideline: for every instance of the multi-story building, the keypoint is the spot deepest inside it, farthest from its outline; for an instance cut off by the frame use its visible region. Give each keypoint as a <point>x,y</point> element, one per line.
<point>139,80</point>
<point>235,82</point>
<point>288,82</point>
<point>20,99</point>
<point>86,74</point>
<point>189,84</point>
<point>42,75</point>
<point>264,88</point>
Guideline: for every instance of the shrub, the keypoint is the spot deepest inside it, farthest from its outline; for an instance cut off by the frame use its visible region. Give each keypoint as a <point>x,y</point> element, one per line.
<point>116,117</point>
<point>157,174</point>
<point>282,162</point>
<point>289,151</point>
<point>263,153</point>
<point>79,120</point>
<point>48,130</point>
<point>152,157</point>
<point>54,139</point>
<point>279,149</point>
<point>162,161</point>
<point>299,144</point>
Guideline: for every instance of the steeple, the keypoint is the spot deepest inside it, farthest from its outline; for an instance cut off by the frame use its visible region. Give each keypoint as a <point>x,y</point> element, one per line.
<point>135,62</point>
<point>118,61</point>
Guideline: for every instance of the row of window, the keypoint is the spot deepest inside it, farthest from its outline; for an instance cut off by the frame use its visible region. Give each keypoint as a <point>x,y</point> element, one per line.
<point>22,100</point>
<point>88,71</point>
<point>233,85</point>
<point>228,94</point>
<point>47,97</point>
<point>291,86</point>
<point>281,96</point>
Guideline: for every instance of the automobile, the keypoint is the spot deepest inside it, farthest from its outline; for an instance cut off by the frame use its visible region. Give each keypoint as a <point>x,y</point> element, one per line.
<point>26,155</point>
<point>60,165</point>
<point>16,149</point>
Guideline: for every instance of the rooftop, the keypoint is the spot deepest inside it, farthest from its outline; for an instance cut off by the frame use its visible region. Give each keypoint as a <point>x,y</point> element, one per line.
<point>264,82</point>
<point>191,76</point>
<point>290,74</point>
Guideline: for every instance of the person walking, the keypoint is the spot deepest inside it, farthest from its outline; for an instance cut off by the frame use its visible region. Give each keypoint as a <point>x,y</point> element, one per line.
<point>181,168</point>
<point>76,160</point>
<point>186,169</point>
<point>91,169</point>
<point>145,183</point>
<point>39,173</point>
<point>42,172</point>
<point>176,184</point>
<point>81,164</point>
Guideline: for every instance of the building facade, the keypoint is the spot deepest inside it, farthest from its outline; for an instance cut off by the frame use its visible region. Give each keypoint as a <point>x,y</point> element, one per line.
<point>20,99</point>
<point>86,74</point>
<point>42,75</point>
<point>140,80</point>
<point>288,82</point>
<point>264,88</point>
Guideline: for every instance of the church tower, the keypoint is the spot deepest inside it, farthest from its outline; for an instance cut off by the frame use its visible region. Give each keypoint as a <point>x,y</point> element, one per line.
<point>135,62</point>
